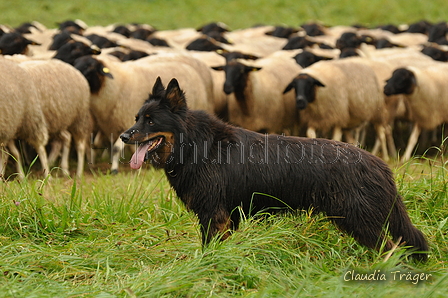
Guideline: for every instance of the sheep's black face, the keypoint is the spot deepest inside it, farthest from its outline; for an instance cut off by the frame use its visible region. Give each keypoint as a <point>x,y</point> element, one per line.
<point>14,43</point>
<point>403,81</point>
<point>236,76</point>
<point>94,71</point>
<point>305,87</point>
<point>156,125</point>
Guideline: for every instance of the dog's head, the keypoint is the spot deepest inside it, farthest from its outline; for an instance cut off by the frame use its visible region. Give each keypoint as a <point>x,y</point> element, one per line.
<point>156,125</point>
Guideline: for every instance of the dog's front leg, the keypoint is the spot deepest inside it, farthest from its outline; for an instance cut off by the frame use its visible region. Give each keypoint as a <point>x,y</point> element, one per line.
<point>218,222</point>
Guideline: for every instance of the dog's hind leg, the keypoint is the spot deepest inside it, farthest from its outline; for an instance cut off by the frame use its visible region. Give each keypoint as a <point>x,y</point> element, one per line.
<point>366,229</point>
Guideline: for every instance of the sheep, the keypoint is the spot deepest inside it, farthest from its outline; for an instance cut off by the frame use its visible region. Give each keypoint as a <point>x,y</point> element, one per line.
<point>118,89</point>
<point>426,94</point>
<point>258,103</point>
<point>21,116</point>
<point>342,94</point>
<point>65,100</point>
<point>219,97</point>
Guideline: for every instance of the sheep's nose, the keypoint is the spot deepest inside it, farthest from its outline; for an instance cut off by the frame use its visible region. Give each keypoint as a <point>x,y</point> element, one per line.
<point>125,137</point>
<point>301,102</point>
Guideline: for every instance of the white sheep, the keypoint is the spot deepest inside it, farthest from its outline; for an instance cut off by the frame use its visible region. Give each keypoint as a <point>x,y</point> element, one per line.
<point>21,116</point>
<point>65,100</point>
<point>118,90</point>
<point>426,94</point>
<point>259,103</point>
<point>339,95</point>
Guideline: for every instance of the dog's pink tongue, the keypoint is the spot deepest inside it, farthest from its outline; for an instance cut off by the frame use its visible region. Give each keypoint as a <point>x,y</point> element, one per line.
<point>138,157</point>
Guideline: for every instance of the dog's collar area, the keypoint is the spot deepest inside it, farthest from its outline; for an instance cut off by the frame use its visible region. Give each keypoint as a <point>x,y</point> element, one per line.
<point>172,173</point>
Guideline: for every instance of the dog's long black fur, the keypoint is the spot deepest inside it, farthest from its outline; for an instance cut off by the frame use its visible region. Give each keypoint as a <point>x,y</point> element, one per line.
<point>215,168</point>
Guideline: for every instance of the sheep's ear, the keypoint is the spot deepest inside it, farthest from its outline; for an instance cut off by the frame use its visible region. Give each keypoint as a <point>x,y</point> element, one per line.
<point>250,57</point>
<point>318,83</point>
<point>32,42</point>
<point>106,72</point>
<point>288,88</point>
<point>218,67</point>
<point>252,68</point>
<point>158,88</point>
<point>175,98</point>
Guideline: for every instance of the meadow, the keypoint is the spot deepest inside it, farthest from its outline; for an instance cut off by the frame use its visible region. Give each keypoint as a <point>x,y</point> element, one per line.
<point>128,235</point>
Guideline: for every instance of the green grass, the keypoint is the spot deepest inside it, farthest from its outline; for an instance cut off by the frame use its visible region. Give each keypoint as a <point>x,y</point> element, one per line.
<point>171,14</point>
<point>129,236</point>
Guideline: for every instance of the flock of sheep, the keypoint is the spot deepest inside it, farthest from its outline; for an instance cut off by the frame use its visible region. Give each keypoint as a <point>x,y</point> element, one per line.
<point>85,84</point>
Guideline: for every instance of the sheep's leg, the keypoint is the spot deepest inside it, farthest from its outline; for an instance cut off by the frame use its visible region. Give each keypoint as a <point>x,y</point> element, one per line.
<point>381,135</point>
<point>81,145</point>
<point>3,161</point>
<point>376,146</point>
<point>311,132</point>
<point>95,143</point>
<point>42,153</point>
<point>66,140</point>
<point>413,139</point>
<point>117,149</point>
<point>361,137</point>
<point>337,133</point>
<point>56,146</point>
<point>16,154</point>
<point>390,141</point>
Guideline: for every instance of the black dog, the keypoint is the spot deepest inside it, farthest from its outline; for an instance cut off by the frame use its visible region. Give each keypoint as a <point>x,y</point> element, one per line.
<point>215,168</point>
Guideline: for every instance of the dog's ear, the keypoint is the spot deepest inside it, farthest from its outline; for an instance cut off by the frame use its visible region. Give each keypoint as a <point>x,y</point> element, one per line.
<point>158,88</point>
<point>174,97</point>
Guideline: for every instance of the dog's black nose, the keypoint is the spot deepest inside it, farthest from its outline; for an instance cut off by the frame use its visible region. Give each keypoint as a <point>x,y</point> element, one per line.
<point>125,137</point>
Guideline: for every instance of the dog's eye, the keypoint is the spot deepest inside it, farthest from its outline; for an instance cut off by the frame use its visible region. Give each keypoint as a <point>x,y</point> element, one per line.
<point>150,122</point>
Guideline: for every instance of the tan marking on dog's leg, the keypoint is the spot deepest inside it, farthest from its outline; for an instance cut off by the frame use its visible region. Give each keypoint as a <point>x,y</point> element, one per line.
<point>223,224</point>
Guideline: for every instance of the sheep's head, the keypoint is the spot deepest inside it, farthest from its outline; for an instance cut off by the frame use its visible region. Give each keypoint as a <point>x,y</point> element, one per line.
<point>305,87</point>
<point>236,75</point>
<point>94,71</point>
<point>403,81</point>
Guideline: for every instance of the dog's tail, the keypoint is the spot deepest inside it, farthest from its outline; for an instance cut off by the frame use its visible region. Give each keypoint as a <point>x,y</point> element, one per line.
<point>400,225</point>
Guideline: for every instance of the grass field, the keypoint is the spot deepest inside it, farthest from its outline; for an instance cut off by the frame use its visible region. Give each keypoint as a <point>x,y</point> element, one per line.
<point>128,235</point>
<point>171,14</point>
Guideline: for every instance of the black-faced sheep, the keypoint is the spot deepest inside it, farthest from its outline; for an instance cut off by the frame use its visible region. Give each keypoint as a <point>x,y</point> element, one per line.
<point>65,101</point>
<point>337,95</point>
<point>426,94</point>
<point>259,104</point>
<point>21,116</point>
